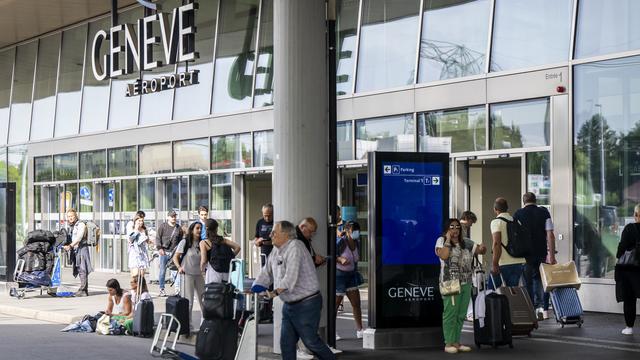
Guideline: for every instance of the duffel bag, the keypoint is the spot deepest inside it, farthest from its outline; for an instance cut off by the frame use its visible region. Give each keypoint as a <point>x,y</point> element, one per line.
<point>41,236</point>
<point>217,301</point>
<point>217,340</point>
<point>34,261</point>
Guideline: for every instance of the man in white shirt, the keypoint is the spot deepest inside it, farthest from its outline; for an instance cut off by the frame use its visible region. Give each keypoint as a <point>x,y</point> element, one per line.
<point>502,263</point>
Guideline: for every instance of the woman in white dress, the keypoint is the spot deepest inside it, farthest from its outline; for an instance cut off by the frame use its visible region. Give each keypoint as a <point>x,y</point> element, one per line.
<point>138,257</point>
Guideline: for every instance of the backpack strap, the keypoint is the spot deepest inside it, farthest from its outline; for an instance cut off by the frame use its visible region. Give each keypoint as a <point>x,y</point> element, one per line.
<point>507,221</point>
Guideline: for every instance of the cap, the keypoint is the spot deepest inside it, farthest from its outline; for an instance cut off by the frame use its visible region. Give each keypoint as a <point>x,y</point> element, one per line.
<point>172,213</point>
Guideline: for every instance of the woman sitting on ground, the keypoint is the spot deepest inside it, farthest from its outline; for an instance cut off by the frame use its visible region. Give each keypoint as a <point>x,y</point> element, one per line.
<point>118,306</point>
<point>217,250</point>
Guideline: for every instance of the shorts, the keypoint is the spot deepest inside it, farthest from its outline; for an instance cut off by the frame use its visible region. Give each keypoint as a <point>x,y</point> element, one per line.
<point>346,281</point>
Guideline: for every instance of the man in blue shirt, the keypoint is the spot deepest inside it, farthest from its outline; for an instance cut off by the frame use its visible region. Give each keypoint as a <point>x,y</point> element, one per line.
<point>203,214</point>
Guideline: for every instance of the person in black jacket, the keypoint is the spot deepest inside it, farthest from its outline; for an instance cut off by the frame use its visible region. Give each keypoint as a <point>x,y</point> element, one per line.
<point>167,237</point>
<point>627,276</point>
<point>305,231</point>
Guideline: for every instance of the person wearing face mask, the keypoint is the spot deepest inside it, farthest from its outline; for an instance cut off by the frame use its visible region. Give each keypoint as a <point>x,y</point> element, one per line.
<point>347,276</point>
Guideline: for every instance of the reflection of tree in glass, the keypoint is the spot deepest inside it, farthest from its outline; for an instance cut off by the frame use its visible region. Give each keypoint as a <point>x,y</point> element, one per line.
<point>457,60</point>
<point>467,132</point>
<point>503,136</point>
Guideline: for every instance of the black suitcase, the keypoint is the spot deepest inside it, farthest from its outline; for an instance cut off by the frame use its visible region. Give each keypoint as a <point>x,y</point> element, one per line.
<point>217,301</point>
<point>217,340</point>
<point>497,322</point>
<point>143,319</point>
<point>179,307</point>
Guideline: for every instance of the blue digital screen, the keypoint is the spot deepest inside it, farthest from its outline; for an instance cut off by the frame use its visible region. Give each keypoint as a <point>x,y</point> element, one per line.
<point>412,211</point>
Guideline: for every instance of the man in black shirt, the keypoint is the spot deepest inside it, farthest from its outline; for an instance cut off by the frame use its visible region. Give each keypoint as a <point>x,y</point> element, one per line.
<point>168,236</point>
<point>305,231</point>
<point>538,221</point>
<point>263,231</point>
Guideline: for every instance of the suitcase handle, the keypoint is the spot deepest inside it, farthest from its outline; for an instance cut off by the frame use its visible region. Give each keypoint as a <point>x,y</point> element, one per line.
<point>494,281</point>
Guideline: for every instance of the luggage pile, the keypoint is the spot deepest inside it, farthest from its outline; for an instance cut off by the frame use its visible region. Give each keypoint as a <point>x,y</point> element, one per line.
<point>38,254</point>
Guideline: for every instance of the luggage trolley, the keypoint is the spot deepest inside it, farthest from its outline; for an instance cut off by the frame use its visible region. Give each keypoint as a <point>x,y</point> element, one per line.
<point>24,282</point>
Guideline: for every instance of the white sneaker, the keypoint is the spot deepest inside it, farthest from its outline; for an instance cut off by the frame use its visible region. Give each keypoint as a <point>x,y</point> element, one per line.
<point>627,331</point>
<point>539,314</point>
<point>302,355</point>
<point>335,351</point>
<point>338,337</point>
<point>545,314</point>
<point>359,334</point>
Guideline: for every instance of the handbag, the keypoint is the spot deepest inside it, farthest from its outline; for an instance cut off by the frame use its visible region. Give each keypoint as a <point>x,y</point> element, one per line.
<point>450,287</point>
<point>103,326</point>
<point>630,257</point>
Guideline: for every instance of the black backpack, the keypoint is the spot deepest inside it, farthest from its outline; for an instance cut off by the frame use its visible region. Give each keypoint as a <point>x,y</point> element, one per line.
<point>519,245</point>
<point>220,257</point>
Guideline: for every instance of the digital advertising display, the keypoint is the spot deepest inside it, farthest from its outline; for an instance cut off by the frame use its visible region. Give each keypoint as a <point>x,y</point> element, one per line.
<point>408,203</point>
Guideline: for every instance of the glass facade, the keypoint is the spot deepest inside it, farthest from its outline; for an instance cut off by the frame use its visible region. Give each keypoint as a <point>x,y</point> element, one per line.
<point>22,92</point>
<point>154,158</point>
<point>236,47</point>
<point>539,176</point>
<point>454,39</point>
<point>606,139</point>
<point>393,133</point>
<point>346,42</point>
<point>65,167</point>
<point>191,155</point>
<point>453,130</point>
<point>263,148</point>
<point>221,201</point>
<point>231,151</point>
<point>95,94</point>
<point>43,168</point>
<point>17,171</point>
<point>122,161</point>
<point>345,141</point>
<point>199,186</point>
<point>606,27</point>
<point>70,81</point>
<point>263,92</point>
<point>388,38</point>
<point>93,164</point>
<point>44,94</point>
<point>530,32</point>
<point>520,124</point>
<point>6,79</point>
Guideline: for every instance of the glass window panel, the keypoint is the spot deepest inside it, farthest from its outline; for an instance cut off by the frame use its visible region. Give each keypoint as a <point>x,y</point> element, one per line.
<point>71,196</point>
<point>93,164</point>
<point>195,101</point>
<point>233,78</point>
<point>606,27</point>
<point>147,194</point>
<point>539,176</point>
<point>22,91</point>
<point>346,38</point>
<point>70,81</point>
<point>388,40</point>
<point>3,164</point>
<point>530,32</point>
<point>263,95</point>
<point>86,197</point>
<point>155,158</point>
<point>95,96</point>
<point>123,110</point>
<point>37,205</point>
<point>221,201</point>
<point>345,141</point>
<point>155,108</point>
<point>6,73</point>
<point>17,173</point>
<point>520,124</point>
<point>123,161</point>
<point>263,148</point>
<point>393,133</point>
<point>199,190</point>
<point>606,137</point>
<point>191,155</point>
<point>231,151</point>
<point>65,167</point>
<point>44,96</point>
<point>453,130</point>
<point>129,195</point>
<point>454,39</point>
<point>44,168</point>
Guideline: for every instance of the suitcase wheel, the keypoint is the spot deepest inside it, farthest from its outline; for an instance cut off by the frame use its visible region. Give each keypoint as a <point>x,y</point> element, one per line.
<point>580,323</point>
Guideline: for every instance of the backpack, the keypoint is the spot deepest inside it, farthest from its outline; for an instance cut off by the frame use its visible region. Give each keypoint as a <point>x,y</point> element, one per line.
<point>92,233</point>
<point>220,257</point>
<point>519,245</point>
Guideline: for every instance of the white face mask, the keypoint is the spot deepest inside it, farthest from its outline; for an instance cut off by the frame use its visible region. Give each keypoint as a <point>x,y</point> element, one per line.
<point>355,234</point>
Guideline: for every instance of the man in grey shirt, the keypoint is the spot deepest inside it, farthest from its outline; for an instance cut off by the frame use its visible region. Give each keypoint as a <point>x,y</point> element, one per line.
<point>292,272</point>
<point>80,254</point>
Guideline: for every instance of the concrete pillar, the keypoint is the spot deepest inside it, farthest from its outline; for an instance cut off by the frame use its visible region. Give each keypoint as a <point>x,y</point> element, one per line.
<point>300,174</point>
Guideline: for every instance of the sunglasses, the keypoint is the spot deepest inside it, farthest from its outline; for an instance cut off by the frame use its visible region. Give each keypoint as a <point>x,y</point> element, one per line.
<point>454,226</point>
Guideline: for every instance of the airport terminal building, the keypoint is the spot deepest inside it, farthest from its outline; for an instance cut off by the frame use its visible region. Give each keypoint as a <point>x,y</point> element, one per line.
<point>172,109</point>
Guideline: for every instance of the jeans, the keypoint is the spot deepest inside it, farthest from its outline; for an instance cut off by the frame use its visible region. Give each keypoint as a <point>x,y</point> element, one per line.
<point>455,311</point>
<point>301,321</point>
<point>163,270</point>
<point>533,281</point>
<point>511,274</point>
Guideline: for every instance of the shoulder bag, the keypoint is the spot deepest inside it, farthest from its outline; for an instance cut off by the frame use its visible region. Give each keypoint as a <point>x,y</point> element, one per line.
<point>630,257</point>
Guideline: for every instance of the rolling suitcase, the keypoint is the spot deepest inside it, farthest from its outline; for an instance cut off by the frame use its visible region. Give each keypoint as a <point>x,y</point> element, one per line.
<point>143,319</point>
<point>179,307</point>
<point>218,301</point>
<point>523,316</point>
<point>217,340</point>
<point>566,306</point>
<point>495,329</point>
